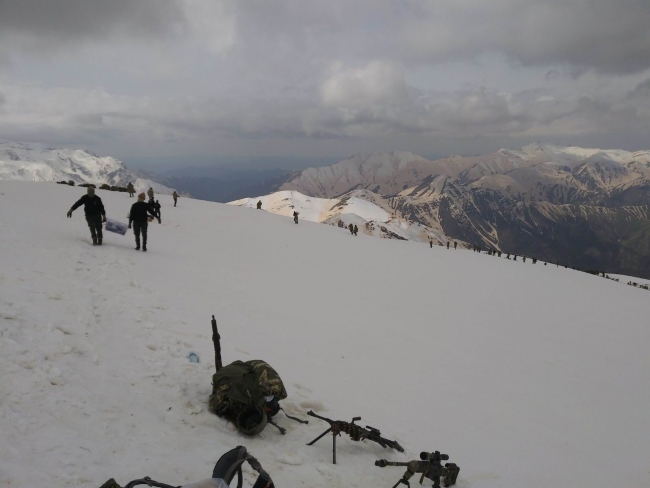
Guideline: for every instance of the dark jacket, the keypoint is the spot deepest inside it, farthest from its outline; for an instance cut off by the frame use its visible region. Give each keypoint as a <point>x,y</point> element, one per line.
<point>155,208</point>
<point>139,211</point>
<point>92,205</point>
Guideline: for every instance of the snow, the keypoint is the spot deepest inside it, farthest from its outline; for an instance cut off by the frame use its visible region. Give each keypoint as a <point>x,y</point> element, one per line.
<point>625,279</point>
<point>33,162</point>
<point>526,375</point>
<point>353,208</point>
<point>571,155</point>
<point>360,169</point>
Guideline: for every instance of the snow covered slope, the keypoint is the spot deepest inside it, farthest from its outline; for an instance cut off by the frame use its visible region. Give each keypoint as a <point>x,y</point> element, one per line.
<point>33,162</point>
<point>526,375</point>
<point>362,208</point>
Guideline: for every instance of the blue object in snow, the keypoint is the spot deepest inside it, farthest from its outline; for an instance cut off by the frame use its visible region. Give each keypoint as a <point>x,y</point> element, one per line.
<point>116,226</point>
<point>193,357</point>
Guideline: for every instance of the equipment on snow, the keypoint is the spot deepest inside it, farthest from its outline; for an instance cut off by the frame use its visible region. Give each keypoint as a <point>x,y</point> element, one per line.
<point>356,433</point>
<point>228,465</point>
<point>116,226</point>
<point>430,467</point>
<point>216,339</point>
<point>248,393</point>
<point>252,420</point>
<point>247,386</point>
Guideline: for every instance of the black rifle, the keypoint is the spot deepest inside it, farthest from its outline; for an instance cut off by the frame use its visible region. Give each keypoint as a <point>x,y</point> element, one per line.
<point>430,467</point>
<point>216,339</point>
<point>356,433</point>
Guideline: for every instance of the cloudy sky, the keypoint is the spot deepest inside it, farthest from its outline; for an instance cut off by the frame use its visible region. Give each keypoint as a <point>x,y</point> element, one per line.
<point>323,78</point>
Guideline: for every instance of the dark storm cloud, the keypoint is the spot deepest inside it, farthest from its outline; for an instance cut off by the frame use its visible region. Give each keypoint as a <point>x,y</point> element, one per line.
<point>605,35</point>
<point>210,72</point>
<point>47,24</point>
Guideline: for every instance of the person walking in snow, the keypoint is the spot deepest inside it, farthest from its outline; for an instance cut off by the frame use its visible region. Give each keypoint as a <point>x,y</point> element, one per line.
<point>154,207</point>
<point>130,189</point>
<point>295,216</point>
<point>259,205</point>
<point>351,229</point>
<point>175,196</point>
<point>150,193</point>
<point>356,229</point>
<point>455,245</point>
<point>447,244</point>
<point>138,220</point>
<point>431,243</point>
<point>94,212</point>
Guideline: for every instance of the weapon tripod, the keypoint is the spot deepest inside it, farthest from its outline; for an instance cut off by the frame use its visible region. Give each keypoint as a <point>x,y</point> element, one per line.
<point>356,433</point>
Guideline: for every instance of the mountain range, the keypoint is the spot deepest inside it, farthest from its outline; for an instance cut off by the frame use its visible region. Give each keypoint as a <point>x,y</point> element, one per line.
<point>358,207</point>
<point>584,208</point>
<point>34,162</point>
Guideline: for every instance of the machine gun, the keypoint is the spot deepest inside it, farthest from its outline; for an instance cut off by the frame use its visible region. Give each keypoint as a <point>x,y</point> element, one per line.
<point>356,433</point>
<point>430,467</point>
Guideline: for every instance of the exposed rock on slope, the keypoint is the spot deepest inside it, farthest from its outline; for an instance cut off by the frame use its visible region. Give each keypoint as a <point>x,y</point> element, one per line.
<point>587,208</point>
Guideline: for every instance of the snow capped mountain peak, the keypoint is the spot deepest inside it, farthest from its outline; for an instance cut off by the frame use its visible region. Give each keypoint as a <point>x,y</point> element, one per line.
<point>34,162</point>
<point>361,170</point>
<point>565,154</point>
<point>369,211</point>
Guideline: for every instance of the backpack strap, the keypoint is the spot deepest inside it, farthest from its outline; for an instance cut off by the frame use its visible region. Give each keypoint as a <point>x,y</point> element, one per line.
<point>294,418</point>
<point>230,464</point>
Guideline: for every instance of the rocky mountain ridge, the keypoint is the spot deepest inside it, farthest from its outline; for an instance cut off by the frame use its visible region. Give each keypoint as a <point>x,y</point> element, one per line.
<point>586,208</point>
<point>35,162</point>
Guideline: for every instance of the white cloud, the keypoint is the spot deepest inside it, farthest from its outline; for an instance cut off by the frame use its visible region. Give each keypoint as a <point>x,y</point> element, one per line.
<point>371,84</point>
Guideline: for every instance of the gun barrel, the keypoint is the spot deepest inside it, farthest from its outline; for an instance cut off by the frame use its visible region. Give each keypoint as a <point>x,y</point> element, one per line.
<point>385,442</point>
<point>312,414</point>
<point>382,463</point>
<point>216,339</point>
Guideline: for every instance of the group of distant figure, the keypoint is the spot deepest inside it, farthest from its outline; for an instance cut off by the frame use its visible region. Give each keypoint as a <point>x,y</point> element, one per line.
<point>354,230</point>
<point>140,215</point>
<point>441,245</point>
<point>494,252</point>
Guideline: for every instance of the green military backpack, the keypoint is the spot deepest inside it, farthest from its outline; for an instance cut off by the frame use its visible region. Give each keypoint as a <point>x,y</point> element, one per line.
<point>244,387</point>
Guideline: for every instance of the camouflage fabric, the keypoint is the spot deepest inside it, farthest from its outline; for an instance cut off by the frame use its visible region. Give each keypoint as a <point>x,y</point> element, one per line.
<point>232,384</point>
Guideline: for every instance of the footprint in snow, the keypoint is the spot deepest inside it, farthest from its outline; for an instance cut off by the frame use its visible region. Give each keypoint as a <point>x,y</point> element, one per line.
<point>290,458</point>
<point>302,387</point>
